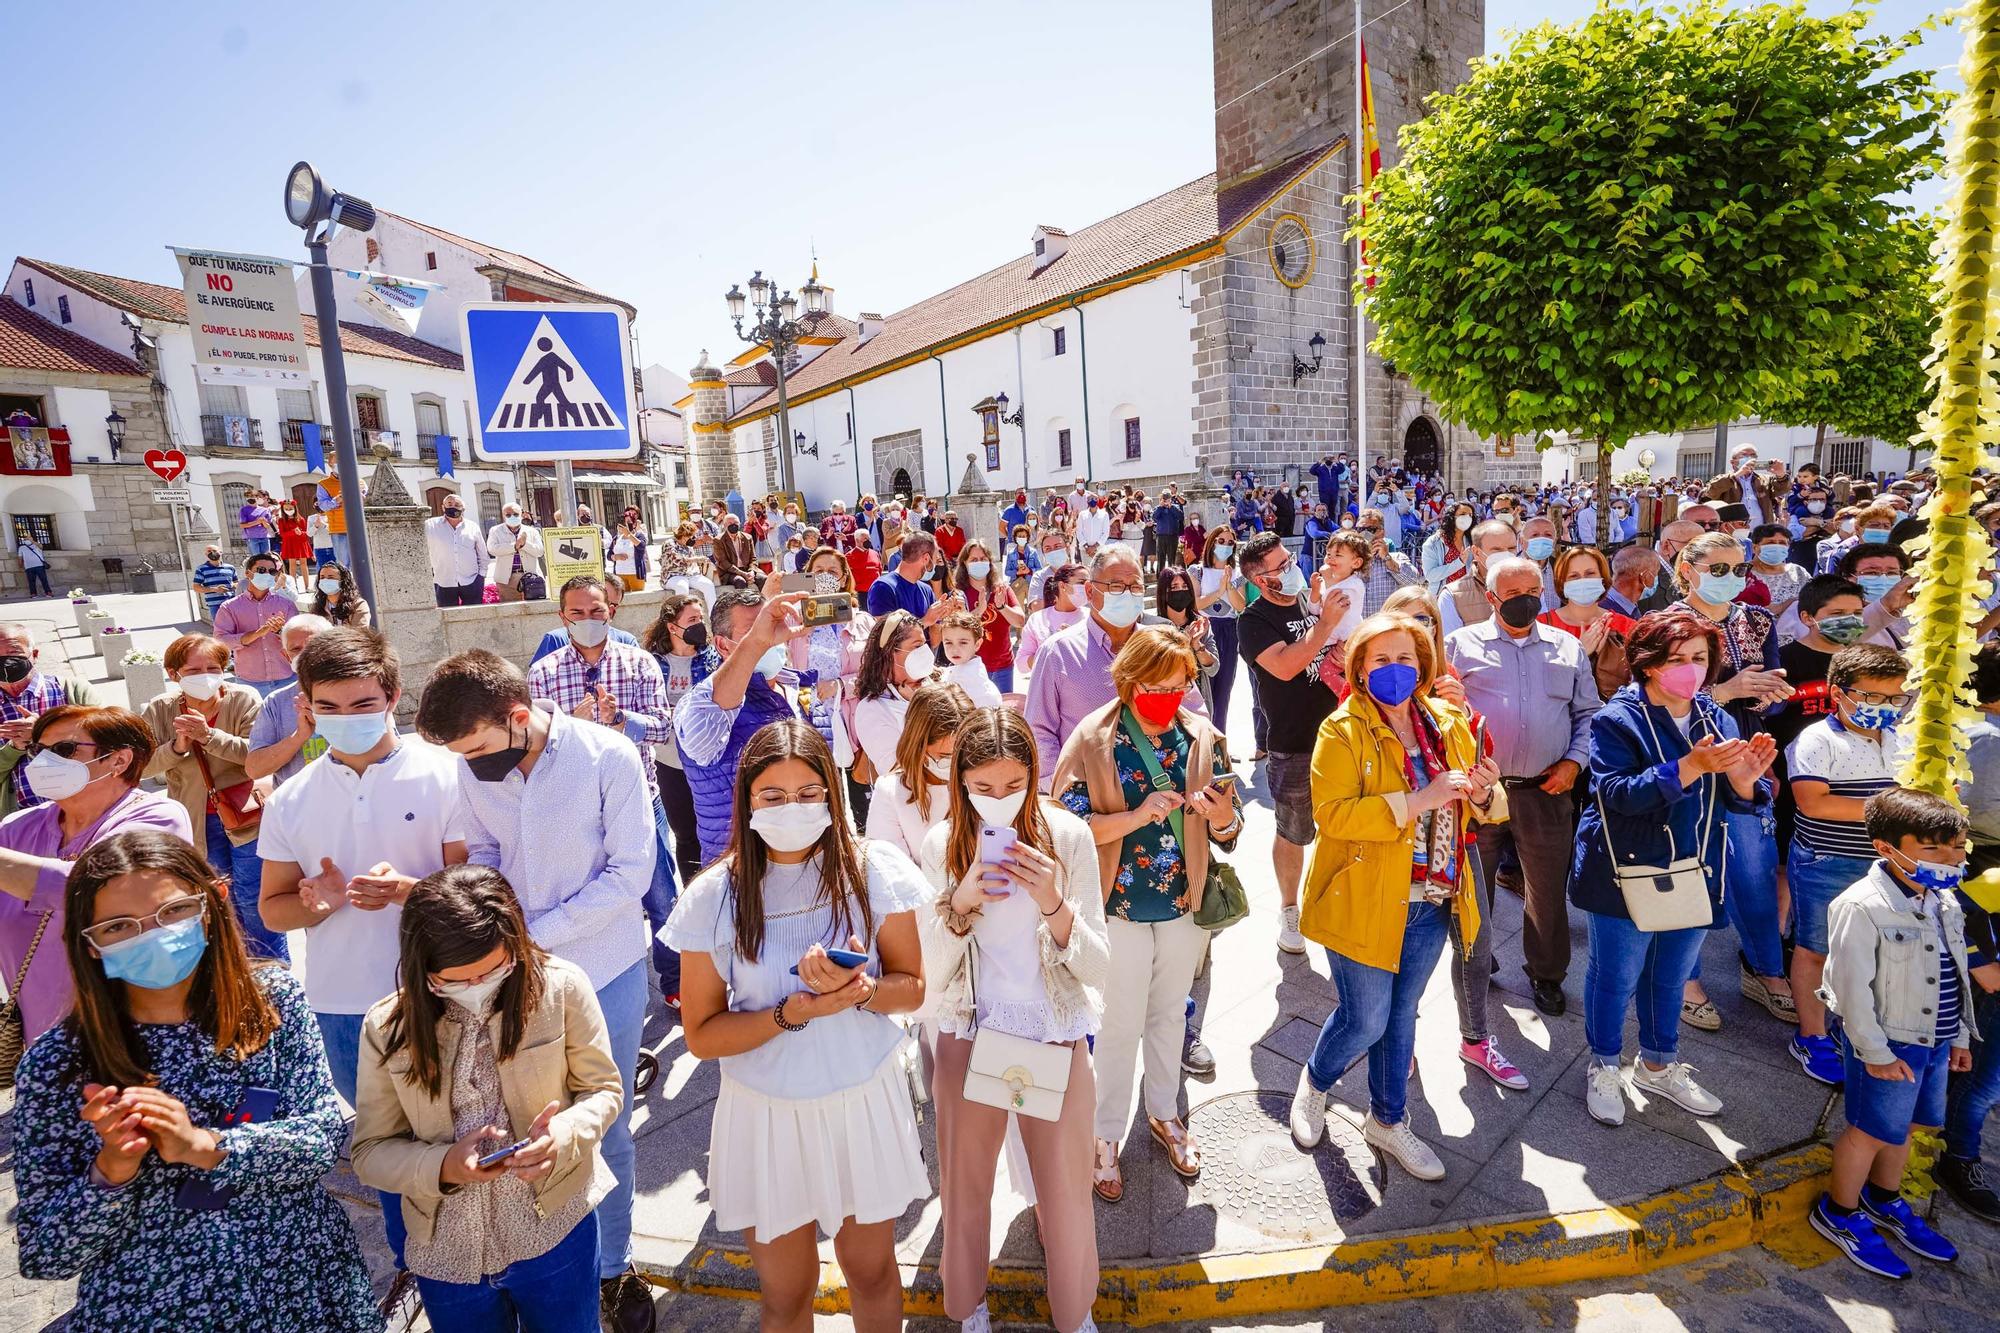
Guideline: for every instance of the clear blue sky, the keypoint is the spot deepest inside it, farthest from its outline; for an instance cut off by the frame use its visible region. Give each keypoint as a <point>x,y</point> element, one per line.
<point>660,155</point>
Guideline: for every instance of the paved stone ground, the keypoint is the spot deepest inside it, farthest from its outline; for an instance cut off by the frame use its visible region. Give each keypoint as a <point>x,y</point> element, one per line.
<point>1505,1153</point>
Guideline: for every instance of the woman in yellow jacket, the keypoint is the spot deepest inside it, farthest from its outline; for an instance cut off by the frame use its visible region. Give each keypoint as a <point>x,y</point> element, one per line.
<point>1396,780</point>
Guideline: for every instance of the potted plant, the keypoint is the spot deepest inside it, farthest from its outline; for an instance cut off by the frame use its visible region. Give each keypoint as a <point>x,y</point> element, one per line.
<point>116,642</point>
<point>80,605</point>
<point>145,677</point>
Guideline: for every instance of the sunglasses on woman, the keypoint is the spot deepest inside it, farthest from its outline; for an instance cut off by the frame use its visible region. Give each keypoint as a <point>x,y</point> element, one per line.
<point>1721,571</point>
<point>61,749</point>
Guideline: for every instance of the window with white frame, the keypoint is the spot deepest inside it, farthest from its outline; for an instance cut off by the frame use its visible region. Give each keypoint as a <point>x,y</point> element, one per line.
<point>220,400</point>
<point>1064,455</point>
<point>38,528</point>
<point>1849,456</point>
<point>1058,341</point>
<point>1131,437</point>
<point>296,405</point>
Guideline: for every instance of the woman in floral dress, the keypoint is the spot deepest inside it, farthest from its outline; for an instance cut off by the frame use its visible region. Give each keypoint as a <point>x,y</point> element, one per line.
<point>172,1132</point>
<point>1153,814</point>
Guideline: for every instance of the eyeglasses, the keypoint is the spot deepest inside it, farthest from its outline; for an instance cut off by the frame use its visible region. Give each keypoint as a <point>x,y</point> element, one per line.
<point>63,749</point>
<point>1426,621</point>
<point>1370,532</point>
<point>1721,570</point>
<point>121,928</point>
<point>1115,588</point>
<point>1896,701</point>
<point>810,794</point>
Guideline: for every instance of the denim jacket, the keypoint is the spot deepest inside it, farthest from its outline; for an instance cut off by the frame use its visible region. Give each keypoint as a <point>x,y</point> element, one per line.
<point>1635,753</point>
<point>1881,967</point>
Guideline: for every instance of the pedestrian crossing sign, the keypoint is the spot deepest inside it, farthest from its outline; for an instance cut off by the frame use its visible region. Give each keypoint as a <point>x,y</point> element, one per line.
<point>549,380</point>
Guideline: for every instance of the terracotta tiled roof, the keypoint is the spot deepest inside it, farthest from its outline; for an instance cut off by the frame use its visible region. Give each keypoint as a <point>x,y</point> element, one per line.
<point>30,342</point>
<point>153,301</point>
<point>1178,222</point>
<point>757,372</point>
<point>511,260</point>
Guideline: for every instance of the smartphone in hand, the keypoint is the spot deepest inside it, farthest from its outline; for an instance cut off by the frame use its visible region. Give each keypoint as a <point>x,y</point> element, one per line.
<point>501,1154</point>
<point>840,958</point>
<point>994,844</point>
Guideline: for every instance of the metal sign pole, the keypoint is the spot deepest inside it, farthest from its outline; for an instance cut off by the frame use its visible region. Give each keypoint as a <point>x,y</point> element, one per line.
<point>566,493</point>
<point>326,312</point>
<point>187,575</point>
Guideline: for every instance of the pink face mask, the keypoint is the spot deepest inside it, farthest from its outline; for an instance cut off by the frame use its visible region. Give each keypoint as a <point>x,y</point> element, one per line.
<point>1682,680</point>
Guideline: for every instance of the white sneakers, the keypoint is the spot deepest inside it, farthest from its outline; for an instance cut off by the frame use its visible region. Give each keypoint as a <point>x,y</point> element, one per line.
<point>979,1321</point>
<point>1308,1113</point>
<point>1677,1085</point>
<point>1604,1093</point>
<point>1289,938</point>
<point>1401,1142</point>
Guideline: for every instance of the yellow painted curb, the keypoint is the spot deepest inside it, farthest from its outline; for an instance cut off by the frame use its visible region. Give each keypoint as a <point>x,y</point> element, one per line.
<point>1712,1216</point>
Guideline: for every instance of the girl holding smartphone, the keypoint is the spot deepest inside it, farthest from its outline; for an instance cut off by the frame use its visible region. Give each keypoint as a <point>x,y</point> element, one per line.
<point>813,1130</point>
<point>1037,917</point>
<point>488,1044</point>
<point>173,1130</point>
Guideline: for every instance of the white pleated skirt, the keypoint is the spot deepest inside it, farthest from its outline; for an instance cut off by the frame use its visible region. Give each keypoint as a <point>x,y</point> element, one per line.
<point>775,1163</point>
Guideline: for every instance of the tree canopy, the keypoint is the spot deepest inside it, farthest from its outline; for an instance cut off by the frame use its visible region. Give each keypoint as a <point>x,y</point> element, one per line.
<point>1649,218</point>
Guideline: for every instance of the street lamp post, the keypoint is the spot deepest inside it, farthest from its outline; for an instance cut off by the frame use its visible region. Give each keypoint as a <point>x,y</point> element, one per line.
<point>773,325</point>
<point>318,211</point>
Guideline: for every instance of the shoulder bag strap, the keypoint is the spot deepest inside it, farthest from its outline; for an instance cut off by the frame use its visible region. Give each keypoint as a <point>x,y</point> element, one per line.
<point>1604,815</point>
<point>21,978</point>
<point>1161,782</point>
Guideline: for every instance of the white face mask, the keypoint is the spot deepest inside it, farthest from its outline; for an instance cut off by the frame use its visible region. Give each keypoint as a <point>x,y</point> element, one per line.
<point>791,827</point>
<point>919,662</point>
<point>54,778</point>
<point>1123,608</point>
<point>938,766</point>
<point>202,685</point>
<point>476,996</point>
<point>999,811</point>
<point>589,633</point>
<point>513,520</point>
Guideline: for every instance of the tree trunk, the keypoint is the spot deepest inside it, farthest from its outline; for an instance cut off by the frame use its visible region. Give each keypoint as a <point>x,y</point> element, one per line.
<point>1819,449</point>
<point>1601,484</point>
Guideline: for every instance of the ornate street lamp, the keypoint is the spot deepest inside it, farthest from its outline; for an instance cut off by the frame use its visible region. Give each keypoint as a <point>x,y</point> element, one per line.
<point>774,325</point>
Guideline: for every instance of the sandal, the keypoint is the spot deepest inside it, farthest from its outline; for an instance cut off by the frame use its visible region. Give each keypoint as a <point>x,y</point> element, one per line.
<point>1183,1153</point>
<point>1779,1005</point>
<point>1701,1014</point>
<point>1104,1179</point>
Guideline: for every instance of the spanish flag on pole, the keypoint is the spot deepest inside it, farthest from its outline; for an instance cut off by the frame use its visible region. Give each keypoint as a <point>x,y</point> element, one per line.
<point>1371,149</point>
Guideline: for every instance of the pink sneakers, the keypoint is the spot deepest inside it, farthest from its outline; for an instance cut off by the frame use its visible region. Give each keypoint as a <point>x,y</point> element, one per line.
<point>1485,1056</point>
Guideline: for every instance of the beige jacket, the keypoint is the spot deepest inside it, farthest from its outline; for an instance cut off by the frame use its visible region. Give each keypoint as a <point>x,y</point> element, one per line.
<point>401,1133</point>
<point>228,746</point>
<point>1073,976</point>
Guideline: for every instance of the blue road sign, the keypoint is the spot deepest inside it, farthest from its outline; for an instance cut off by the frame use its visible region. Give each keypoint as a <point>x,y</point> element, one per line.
<point>549,381</point>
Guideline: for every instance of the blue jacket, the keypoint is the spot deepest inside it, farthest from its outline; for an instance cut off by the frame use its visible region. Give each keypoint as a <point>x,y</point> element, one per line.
<point>1329,479</point>
<point>1635,749</point>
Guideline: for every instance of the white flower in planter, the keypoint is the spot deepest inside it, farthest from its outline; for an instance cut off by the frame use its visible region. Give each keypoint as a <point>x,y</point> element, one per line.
<point>140,657</point>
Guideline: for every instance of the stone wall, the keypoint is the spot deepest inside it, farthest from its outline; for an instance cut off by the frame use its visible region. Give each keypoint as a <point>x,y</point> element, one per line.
<point>711,446</point>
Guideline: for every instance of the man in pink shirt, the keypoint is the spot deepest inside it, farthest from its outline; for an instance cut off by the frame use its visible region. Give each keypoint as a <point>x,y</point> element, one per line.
<point>249,623</point>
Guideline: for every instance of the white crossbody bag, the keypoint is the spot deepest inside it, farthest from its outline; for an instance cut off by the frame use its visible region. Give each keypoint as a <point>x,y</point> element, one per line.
<point>1012,1073</point>
<point>1669,897</point>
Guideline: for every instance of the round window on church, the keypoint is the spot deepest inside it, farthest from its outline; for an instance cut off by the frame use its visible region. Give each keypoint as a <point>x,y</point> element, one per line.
<point>1291,250</point>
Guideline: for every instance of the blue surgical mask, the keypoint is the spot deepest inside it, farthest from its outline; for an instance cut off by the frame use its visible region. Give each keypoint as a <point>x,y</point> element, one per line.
<point>1773,553</point>
<point>1584,592</point>
<point>1720,589</point>
<point>1541,548</point>
<point>162,957</point>
<point>1875,536</point>
<point>1875,717</point>
<point>263,582</point>
<point>1292,583</point>
<point>351,733</point>
<point>772,662</point>
<point>1123,608</point>
<point>979,569</point>
<point>1877,586</point>
<point>1392,683</point>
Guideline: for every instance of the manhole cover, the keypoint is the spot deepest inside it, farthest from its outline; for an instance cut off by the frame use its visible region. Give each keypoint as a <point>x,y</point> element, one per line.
<point>1253,1173</point>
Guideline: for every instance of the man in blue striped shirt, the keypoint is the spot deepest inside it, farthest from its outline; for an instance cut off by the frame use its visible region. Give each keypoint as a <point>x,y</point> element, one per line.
<point>216,578</point>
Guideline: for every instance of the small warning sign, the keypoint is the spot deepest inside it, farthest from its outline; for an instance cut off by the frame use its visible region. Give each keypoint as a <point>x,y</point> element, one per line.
<point>550,380</point>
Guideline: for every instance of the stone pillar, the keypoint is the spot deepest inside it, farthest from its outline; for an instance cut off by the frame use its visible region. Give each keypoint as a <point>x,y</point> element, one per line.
<point>405,602</point>
<point>710,447</point>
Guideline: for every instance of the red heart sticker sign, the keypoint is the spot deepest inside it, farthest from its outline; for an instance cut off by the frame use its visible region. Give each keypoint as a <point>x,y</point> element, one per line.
<point>166,465</point>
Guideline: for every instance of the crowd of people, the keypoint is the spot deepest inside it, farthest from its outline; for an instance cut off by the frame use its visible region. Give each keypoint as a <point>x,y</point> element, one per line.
<point>897,807</point>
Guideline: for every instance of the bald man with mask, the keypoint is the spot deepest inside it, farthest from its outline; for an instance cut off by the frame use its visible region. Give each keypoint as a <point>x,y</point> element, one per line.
<point>1672,538</point>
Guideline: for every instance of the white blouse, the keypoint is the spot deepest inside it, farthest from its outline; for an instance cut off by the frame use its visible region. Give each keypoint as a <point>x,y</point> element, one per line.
<point>878,727</point>
<point>834,1053</point>
<point>893,815</point>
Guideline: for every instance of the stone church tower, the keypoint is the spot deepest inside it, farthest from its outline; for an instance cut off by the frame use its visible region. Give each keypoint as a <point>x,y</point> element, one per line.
<point>1284,98</point>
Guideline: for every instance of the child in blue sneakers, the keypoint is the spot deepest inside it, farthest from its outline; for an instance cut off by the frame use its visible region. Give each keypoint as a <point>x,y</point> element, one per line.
<point>1896,978</point>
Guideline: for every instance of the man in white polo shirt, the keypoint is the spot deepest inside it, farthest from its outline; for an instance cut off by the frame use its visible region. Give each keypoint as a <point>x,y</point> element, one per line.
<point>345,841</point>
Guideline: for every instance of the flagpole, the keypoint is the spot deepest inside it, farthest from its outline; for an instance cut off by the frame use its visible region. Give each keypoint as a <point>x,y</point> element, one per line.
<point>1360,319</point>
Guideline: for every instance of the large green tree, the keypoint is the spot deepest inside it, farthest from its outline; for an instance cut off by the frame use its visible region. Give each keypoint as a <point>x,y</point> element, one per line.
<point>1879,388</point>
<point>1647,219</point>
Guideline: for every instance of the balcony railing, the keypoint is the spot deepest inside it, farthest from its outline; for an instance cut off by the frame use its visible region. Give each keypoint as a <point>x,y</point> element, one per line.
<point>293,432</point>
<point>219,431</point>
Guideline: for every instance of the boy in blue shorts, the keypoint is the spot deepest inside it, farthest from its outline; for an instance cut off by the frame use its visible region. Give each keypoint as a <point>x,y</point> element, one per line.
<point>1834,766</point>
<point>1896,978</point>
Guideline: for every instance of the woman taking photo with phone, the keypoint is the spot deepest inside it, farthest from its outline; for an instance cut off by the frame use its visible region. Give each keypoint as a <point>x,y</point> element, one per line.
<point>1014,943</point>
<point>1152,782</point>
<point>813,1130</point>
<point>1396,782</point>
<point>172,1132</point>
<point>912,798</point>
<point>489,1046</point>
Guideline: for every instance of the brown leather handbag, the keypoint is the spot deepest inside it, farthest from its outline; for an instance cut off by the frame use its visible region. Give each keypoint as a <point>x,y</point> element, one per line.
<point>238,805</point>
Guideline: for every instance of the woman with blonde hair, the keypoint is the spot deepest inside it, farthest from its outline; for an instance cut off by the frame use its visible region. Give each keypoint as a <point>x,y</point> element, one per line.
<point>1582,574</point>
<point>911,799</point>
<point>1031,927</point>
<point>1396,781</point>
<point>1153,782</point>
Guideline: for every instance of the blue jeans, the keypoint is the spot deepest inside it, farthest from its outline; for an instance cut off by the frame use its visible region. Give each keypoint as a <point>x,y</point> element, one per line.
<point>659,903</point>
<point>1627,963</point>
<point>260,545</point>
<point>340,548</point>
<point>246,880</point>
<point>1378,1014</point>
<point>1751,893</point>
<point>1223,631</point>
<point>323,555</point>
<point>554,1292</point>
<point>38,577</point>
<point>1003,679</point>
<point>623,1000</point>
<point>1974,1094</point>
<point>340,1034</point>
<point>1816,880</point>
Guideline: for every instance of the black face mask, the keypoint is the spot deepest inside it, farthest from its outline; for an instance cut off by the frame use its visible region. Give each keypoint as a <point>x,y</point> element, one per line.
<point>1520,612</point>
<point>1181,599</point>
<point>15,668</point>
<point>695,636</point>
<point>496,766</point>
